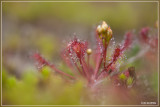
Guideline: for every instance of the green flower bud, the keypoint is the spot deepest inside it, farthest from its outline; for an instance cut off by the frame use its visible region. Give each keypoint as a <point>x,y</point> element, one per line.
<point>104,32</point>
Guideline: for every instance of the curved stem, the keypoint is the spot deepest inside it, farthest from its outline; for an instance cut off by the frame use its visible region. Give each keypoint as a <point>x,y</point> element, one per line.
<point>59,71</point>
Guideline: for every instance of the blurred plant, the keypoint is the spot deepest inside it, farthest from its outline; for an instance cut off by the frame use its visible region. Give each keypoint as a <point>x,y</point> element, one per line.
<point>76,50</point>
<point>39,89</point>
<point>151,41</point>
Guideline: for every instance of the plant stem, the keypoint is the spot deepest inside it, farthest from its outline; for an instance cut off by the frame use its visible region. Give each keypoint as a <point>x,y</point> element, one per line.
<point>57,70</point>
<point>97,66</point>
<point>84,68</point>
<point>104,53</point>
<point>81,72</point>
<point>88,60</point>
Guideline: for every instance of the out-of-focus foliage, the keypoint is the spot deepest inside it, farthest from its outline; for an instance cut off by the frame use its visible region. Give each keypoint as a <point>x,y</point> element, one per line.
<point>34,88</point>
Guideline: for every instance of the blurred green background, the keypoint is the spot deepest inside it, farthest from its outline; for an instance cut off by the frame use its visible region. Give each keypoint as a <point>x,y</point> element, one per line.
<point>45,27</point>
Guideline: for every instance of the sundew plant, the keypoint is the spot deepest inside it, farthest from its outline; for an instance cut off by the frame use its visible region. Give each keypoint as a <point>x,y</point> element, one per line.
<point>77,55</point>
<point>100,69</point>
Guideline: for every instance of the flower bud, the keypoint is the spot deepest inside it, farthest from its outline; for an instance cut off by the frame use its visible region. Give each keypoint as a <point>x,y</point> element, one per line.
<point>104,26</point>
<point>99,29</point>
<point>104,32</point>
<point>89,51</point>
<point>109,32</point>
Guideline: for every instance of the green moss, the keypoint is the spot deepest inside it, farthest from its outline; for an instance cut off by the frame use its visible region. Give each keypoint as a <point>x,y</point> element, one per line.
<point>46,71</point>
<point>33,89</point>
<point>122,76</point>
<point>129,81</point>
<point>11,82</point>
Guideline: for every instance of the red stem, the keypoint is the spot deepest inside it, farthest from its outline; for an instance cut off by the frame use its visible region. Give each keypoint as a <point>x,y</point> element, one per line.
<point>88,61</point>
<point>82,73</point>
<point>97,66</point>
<point>104,54</point>
<point>83,68</point>
<point>59,71</point>
<point>109,65</point>
<point>88,67</point>
<point>42,61</point>
<point>68,62</point>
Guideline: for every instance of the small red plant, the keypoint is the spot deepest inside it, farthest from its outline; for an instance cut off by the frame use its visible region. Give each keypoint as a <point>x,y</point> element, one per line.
<point>77,55</point>
<point>152,41</point>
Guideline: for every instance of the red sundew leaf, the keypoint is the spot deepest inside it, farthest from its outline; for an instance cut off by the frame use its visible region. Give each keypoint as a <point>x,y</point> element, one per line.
<point>78,47</point>
<point>119,50</point>
<point>152,41</point>
<point>144,34</point>
<point>128,40</point>
<point>67,61</point>
<point>117,53</point>
<point>42,62</point>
